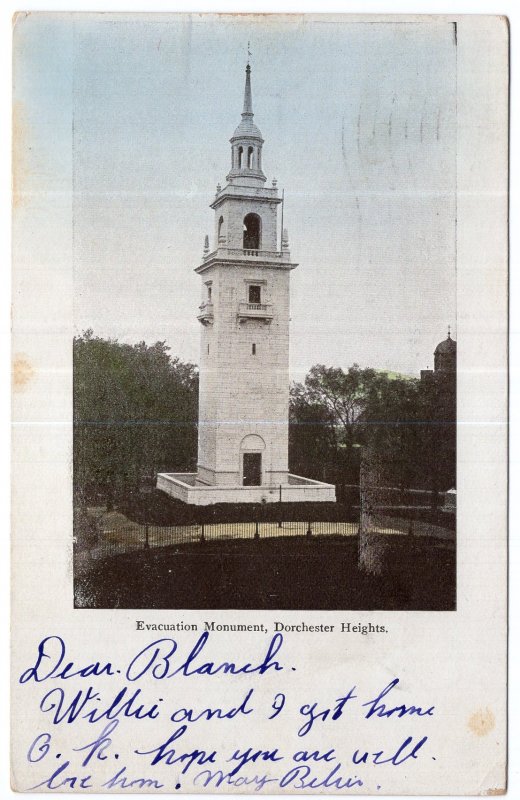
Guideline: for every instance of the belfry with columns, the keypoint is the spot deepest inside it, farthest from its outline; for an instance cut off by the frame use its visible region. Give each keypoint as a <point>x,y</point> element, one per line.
<point>244,343</point>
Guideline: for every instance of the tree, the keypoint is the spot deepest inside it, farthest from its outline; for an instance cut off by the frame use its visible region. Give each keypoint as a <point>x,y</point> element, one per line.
<point>343,395</point>
<point>325,414</point>
<point>312,435</point>
<point>135,413</point>
<point>405,426</point>
<point>335,414</point>
<point>439,401</point>
<point>409,428</point>
<point>393,430</point>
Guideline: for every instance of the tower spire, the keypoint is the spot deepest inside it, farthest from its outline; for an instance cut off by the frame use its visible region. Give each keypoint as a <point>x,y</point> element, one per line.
<point>248,99</point>
<point>246,144</point>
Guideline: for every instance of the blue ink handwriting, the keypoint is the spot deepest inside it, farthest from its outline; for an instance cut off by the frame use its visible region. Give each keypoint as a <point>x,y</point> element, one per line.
<point>396,759</point>
<point>208,778</point>
<point>313,715</point>
<point>380,710</point>
<point>51,655</point>
<point>302,778</point>
<point>156,658</point>
<point>171,756</point>
<point>252,756</point>
<point>55,703</point>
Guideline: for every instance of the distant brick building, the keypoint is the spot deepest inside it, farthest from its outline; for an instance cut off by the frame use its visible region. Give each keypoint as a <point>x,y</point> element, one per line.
<point>444,362</point>
<point>440,386</point>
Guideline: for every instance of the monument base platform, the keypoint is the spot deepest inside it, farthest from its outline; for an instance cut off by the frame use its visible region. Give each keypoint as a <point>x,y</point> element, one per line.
<point>185,486</point>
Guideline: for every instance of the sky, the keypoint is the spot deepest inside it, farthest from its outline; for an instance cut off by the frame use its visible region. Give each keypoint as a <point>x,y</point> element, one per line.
<point>359,122</point>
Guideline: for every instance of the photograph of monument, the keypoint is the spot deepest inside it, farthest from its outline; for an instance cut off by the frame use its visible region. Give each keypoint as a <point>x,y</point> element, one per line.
<point>272,425</point>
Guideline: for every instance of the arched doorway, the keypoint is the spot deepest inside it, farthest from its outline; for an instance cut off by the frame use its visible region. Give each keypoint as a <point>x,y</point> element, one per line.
<point>251,450</point>
<point>252,229</point>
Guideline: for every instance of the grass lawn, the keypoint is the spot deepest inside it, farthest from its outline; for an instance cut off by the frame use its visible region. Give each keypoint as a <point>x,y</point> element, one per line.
<point>287,572</point>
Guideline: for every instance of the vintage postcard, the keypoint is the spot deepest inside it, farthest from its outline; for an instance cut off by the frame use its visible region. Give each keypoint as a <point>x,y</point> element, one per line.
<point>260,404</point>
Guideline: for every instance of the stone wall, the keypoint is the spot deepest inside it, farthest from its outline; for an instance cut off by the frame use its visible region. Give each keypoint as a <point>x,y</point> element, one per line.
<point>176,485</point>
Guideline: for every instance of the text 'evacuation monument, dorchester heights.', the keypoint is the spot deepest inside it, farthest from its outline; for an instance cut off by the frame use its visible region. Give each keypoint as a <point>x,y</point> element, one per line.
<point>244,349</point>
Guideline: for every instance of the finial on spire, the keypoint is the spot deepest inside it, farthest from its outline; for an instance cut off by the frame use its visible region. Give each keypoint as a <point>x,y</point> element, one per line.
<point>449,331</point>
<point>249,53</point>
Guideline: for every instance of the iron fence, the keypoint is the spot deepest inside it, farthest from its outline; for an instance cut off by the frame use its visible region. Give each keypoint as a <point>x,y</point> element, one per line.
<point>113,533</point>
<point>121,535</point>
<point>384,523</point>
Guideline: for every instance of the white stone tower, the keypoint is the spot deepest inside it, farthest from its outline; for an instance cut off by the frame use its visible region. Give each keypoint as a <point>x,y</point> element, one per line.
<point>244,354</point>
<point>244,359</point>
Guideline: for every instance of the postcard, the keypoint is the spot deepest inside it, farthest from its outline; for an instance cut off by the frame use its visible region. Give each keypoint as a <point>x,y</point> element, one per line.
<point>259,404</point>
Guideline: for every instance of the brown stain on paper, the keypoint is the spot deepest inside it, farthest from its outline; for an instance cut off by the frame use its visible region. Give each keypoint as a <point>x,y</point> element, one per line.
<point>23,373</point>
<point>482,722</point>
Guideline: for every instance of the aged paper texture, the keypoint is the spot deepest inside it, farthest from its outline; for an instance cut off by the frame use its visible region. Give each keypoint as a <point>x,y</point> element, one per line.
<point>259,404</point>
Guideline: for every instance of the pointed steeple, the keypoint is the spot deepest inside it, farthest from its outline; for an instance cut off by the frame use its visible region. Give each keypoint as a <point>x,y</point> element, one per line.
<point>246,143</point>
<point>247,127</point>
<point>248,98</point>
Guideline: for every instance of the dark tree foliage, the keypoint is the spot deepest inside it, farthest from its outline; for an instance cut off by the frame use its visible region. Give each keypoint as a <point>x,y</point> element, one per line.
<point>324,421</point>
<point>408,425</point>
<point>410,433</point>
<point>343,395</point>
<point>135,413</point>
<point>394,427</point>
<point>439,401</point>
<point>313,441</point>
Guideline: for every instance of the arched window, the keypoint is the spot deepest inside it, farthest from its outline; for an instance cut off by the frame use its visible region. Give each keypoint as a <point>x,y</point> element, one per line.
<point>240,154</point>
<point>250,152</point>
<point>252,229</point>
<point>220,228</point>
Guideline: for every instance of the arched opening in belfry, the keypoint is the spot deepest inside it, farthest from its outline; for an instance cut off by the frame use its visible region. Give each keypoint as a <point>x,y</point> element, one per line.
<point>250,152</point>
<point>252,226</point>
<point>220,228</point>
<point>240,154</point>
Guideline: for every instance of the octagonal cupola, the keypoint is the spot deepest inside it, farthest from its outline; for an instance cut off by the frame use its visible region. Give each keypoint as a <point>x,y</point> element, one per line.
<point>445,355</point>
<point>246,144</point>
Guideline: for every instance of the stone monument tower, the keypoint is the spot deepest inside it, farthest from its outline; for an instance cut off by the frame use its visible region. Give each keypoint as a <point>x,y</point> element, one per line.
<point>244,353</point>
